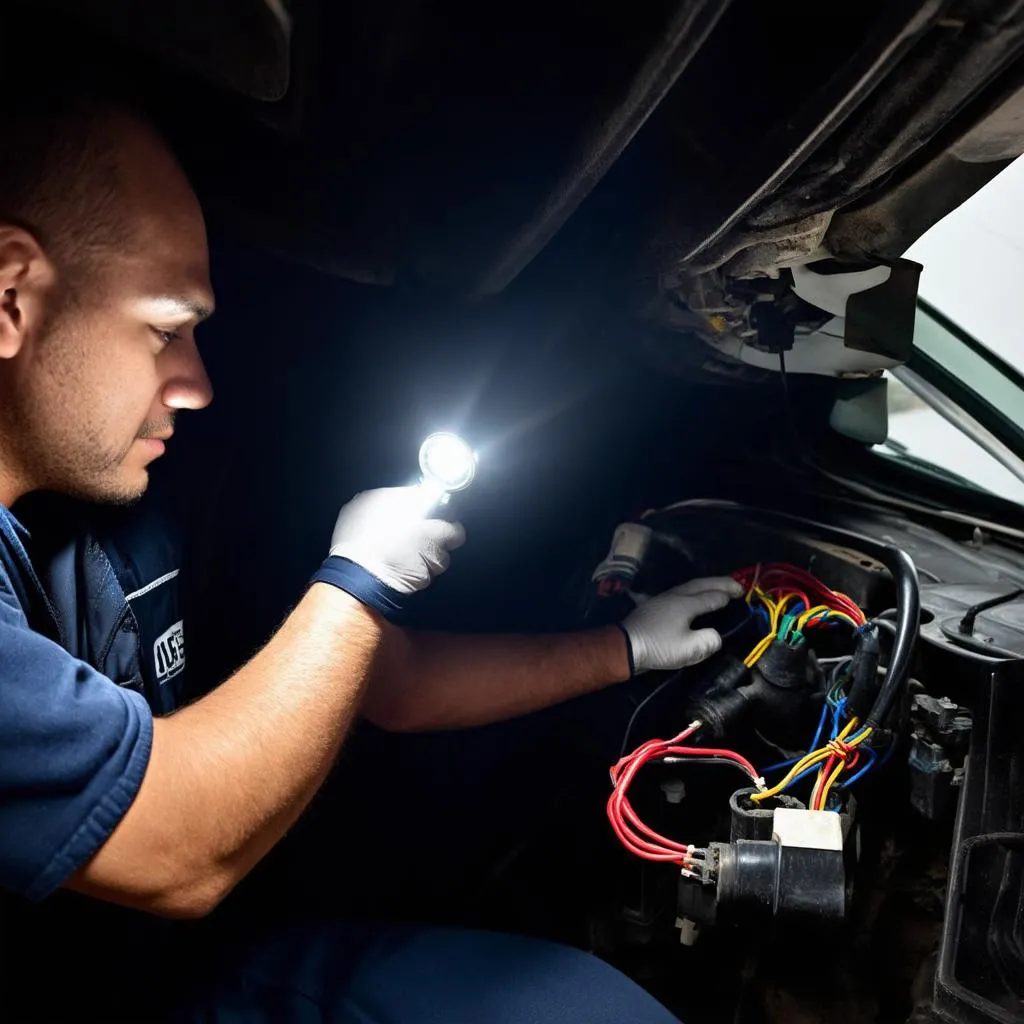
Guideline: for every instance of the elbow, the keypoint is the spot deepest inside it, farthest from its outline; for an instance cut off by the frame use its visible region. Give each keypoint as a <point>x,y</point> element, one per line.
<point>179,901</point>
<point>393,716</point>
<point>190,902</point>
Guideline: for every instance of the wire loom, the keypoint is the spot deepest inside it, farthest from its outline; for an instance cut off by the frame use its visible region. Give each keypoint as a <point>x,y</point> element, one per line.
<point>791,601</point>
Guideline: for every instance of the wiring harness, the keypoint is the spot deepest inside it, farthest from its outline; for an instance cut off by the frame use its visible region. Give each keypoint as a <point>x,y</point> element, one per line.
<point>637,837</point>
<point>789,601</point>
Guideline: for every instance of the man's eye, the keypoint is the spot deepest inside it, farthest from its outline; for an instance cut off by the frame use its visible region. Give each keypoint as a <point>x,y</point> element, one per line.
<point>166,336</point>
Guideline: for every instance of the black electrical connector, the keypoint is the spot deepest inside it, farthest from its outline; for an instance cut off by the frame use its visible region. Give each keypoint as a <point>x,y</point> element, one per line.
<point>761,879</point>
<point>776,689</point>
<point>749,820</point>
<point>863,686</point>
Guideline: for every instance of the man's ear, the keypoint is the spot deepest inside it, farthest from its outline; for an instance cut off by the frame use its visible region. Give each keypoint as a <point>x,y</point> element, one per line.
<point>26,281</point>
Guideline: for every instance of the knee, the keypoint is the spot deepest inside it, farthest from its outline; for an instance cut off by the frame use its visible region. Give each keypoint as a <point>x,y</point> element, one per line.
<point>506,979</point>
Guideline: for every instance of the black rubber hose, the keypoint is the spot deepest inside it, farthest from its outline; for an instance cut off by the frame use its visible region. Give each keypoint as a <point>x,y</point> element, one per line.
<point>908,622</point>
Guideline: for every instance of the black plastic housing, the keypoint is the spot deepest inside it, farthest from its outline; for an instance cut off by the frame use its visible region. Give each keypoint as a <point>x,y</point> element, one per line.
<point>980,977</point>
<point>759,880</point>
<point>776,689</point>
<point>748,820</point>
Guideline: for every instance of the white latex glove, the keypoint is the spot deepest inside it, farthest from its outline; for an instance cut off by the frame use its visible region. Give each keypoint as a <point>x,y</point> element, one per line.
<point>387,532</point>
<point>659,629</point>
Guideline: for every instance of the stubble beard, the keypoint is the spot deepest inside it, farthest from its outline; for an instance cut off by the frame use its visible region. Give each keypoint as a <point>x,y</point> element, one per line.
<point>55,452</point>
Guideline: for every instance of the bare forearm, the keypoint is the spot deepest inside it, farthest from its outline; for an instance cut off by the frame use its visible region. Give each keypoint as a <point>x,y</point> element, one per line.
<point>427,681</point>
<point>230,774</point>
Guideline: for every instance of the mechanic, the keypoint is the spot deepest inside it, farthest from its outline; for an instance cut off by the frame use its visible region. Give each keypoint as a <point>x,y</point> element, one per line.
<point>105,792</point>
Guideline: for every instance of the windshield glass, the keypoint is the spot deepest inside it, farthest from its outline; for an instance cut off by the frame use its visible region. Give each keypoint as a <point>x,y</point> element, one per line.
<point>917,433</point>
<point>973,270</point>
<point>974,265</point>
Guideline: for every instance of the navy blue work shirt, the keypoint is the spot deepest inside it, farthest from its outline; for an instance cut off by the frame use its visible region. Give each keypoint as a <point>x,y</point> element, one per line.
<point>91,646</point>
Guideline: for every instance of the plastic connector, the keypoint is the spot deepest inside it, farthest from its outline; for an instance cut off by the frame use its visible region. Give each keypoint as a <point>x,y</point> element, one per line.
<point>775,689</point>
<point>798,873</point>
<point>721,701</point>
<point>626,554</point>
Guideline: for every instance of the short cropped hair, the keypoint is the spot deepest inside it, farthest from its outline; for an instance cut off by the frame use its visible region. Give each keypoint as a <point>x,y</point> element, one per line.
<point>59,175</point>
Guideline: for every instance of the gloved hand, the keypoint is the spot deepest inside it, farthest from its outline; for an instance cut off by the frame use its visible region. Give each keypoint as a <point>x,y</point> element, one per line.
<point>388,533</point>
<point>659,631</point>
<point>390,547</point>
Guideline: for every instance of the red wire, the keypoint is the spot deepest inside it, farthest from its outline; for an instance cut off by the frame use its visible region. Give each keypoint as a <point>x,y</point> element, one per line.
<point>780,576</point>
<point>637,837</point>
<point>822,776</point>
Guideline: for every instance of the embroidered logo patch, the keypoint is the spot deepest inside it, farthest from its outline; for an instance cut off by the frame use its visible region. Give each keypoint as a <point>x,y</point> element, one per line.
<point>169,653</point>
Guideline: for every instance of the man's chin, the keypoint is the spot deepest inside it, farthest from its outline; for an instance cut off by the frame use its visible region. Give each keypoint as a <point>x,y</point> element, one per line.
<point>126,490</point>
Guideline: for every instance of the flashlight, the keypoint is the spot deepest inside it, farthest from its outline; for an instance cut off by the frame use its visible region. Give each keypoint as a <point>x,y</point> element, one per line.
<point>447,463</point>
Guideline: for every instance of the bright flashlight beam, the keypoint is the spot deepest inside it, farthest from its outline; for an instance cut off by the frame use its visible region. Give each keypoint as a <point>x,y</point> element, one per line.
<point>447,462</point>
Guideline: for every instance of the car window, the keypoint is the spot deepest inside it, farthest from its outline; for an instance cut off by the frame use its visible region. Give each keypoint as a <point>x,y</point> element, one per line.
<point>918,430</point>
<point>973,267</point>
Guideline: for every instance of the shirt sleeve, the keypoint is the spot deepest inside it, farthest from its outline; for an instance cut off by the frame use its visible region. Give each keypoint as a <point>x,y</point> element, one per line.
<point>74,747</point>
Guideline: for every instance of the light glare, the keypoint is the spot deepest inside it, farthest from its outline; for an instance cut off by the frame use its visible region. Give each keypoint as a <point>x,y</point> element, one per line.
<point>447,462</point>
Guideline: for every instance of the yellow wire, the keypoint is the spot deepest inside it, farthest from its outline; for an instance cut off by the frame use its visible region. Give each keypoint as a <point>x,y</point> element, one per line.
<point>763,598</point>
<point>809,614</point>
<point>779,609</point>
<point>805,617</point>
<point>813,758</point>
<point>836,772</point>
<point>840,768</point>
<point>762,645</point>
<point>773,615</point>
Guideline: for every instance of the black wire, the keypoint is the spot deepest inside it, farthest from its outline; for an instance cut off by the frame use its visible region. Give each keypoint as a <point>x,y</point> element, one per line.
<point>636,711</point>
<point>672,760</point>
<point>823,334</point>
<point>787,399</point>
<point>786,754</point>
<point>838,669</point>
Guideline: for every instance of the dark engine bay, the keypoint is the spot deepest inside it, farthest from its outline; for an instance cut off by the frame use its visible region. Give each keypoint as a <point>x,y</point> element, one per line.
<point>826,820</point>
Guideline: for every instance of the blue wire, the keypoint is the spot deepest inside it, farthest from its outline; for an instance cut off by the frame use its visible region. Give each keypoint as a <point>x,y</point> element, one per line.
<point>888,753</point>
<point>861,772</point>
<point>813,746</point>
<point>803,775</point>
<point>837,717</point>
<point>821,729</point>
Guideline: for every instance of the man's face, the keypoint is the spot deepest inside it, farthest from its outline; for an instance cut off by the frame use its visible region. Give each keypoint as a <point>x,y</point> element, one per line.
<point>113,357</point>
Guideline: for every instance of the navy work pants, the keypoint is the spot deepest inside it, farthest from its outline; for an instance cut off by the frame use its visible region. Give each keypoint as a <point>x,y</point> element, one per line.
<point>356,974</point>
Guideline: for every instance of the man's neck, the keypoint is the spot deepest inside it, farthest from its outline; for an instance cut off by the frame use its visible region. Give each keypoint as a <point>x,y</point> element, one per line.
<point>12,486</point>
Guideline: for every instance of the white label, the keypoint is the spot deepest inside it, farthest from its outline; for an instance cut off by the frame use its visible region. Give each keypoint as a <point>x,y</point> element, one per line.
<point>169,653</point>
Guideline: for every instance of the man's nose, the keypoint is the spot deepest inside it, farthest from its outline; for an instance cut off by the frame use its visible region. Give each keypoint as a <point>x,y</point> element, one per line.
<point>187,386</point>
